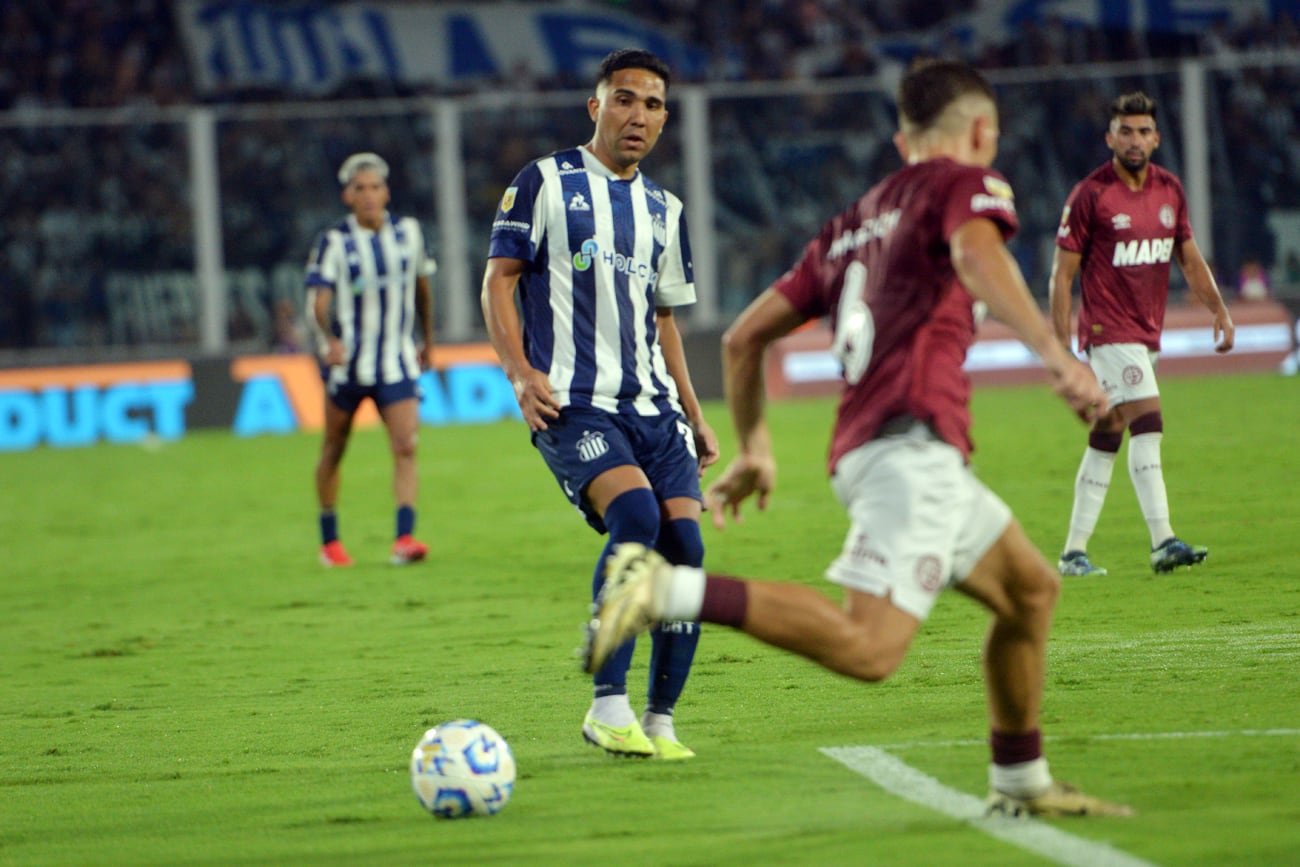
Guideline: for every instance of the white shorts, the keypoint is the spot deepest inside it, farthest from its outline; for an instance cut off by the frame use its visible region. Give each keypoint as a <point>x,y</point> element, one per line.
<point>1127,371</point>
<point>920,520</point>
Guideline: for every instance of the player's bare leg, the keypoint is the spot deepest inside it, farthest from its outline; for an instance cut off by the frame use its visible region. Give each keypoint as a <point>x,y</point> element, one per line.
<point>402,420</point>
<point>1018,585</point>
<point>338,427</point>
<point>865,639</point>
<point>334,442</point>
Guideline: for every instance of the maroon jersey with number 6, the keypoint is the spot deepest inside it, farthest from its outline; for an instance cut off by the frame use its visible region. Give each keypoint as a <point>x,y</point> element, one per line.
<point>1126,239</point>
<point>902,321</point>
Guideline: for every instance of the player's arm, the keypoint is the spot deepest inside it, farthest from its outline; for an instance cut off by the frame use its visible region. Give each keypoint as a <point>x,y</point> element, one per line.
<point>329,347</point>
<point>1203,285</point>
<point>424,309</point>
<point>1065,265</point>
<point>532,388</point>
<point>753,471</point>
<point>987,270</point>
<point>670,342</point>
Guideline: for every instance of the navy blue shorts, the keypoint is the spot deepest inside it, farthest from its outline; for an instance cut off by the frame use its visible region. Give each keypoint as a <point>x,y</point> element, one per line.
<point>348,397</point>
<point>583,443</point>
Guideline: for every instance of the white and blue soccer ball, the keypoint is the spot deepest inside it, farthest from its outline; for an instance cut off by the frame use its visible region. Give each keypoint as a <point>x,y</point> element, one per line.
<point>463,768</point>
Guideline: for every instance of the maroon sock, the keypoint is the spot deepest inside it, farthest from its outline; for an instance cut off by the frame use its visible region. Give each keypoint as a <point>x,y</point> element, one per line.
<point>725,601</point>
<point>1011,749</point>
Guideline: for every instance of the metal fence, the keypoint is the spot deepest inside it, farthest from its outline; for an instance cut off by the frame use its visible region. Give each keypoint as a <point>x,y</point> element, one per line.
<point>147,232</point>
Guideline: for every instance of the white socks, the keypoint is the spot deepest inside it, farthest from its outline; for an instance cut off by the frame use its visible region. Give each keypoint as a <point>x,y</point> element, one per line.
<point>1149,483</point>
<point>685,594</point>
<point>613,710</point>
<point>658,725</point>
<point>1090,487</point>
<point>1024,780</point>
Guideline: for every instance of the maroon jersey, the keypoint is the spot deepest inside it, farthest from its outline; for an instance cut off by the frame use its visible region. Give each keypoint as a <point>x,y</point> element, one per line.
<point>902,322</point>
<point>1126,239</point>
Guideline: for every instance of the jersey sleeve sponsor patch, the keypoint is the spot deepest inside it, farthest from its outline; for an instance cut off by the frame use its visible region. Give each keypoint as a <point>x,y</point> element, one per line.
<point>997,197</point>
<point>981,202</point>
<point>998,187</point>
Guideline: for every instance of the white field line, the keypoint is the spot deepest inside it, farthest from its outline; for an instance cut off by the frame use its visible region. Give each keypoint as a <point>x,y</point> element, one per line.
<point>901,779</point>
<point>904,781</point>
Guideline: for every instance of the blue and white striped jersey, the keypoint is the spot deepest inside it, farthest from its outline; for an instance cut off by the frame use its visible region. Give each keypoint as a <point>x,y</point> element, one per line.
<point>373,277</point>
<point>602,254</point>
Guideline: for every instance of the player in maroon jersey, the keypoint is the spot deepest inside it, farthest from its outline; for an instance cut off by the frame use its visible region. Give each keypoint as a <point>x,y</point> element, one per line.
<point>1121,226</point>
<point>898,274</point>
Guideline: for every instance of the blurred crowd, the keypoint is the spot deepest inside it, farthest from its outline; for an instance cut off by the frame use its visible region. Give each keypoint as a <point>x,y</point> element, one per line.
<point>119,195</point>
<point>112,53</point>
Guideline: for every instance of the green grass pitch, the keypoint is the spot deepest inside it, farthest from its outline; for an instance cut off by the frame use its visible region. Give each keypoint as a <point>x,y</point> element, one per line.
<point>184,685</point>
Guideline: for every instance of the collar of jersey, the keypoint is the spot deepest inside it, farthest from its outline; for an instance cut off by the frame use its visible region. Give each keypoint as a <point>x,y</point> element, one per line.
<point>595,166</point>
<point>362,230</point>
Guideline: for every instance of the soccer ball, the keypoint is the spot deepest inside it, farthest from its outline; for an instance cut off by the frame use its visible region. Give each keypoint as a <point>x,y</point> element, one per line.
<point>462,768</point>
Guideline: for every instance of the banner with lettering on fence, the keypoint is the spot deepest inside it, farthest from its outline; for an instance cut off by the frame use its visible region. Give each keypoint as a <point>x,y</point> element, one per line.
<point>313,48</point>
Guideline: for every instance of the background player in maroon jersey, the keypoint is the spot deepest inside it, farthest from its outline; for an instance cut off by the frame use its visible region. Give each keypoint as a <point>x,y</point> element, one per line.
<point>898,274</point>
<point>1121,226</point>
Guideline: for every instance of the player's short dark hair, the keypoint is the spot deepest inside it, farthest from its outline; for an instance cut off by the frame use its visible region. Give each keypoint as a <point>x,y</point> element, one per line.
<point>633,58</point>
<point>1136,102</point>
<point>930,86</point>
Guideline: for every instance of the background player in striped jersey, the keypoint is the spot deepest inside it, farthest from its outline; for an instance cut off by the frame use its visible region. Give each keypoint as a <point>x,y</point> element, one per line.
<point>898,273</point>
<point>1122,225</point>
<point>368,283</point>
<point>599,256</point>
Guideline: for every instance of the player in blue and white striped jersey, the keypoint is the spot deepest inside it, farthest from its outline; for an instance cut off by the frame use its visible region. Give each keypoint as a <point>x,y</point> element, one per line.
<point>599,256</point>
<point>368,283</point>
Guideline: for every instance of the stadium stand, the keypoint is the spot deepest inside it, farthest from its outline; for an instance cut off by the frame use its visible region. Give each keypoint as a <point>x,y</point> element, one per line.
<point>83,202</point>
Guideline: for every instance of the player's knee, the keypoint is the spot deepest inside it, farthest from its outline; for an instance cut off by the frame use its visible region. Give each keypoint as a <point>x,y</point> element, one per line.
<point>331,455</point>
<point>633,516</point>
<point>875,664</point>
<point>681,543</point>
<point>1036,593</point>
<point>861,654</point>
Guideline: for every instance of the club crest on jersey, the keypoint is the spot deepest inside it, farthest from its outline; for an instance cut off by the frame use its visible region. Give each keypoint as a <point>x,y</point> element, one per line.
<point>591,446</point>
<point>929,574</point>
<point>582,259</point>
<point>1167,216</point>
<point>579,203</point>
<point>508,200</point>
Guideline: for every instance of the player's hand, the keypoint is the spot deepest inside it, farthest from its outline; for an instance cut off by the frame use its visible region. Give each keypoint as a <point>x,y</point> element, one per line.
<point>744,476</point>
<point>533,391</point>
<point>1076,384</point>
<point>706,445</point>
<point>334,354</point>
<point>1225,333</point>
